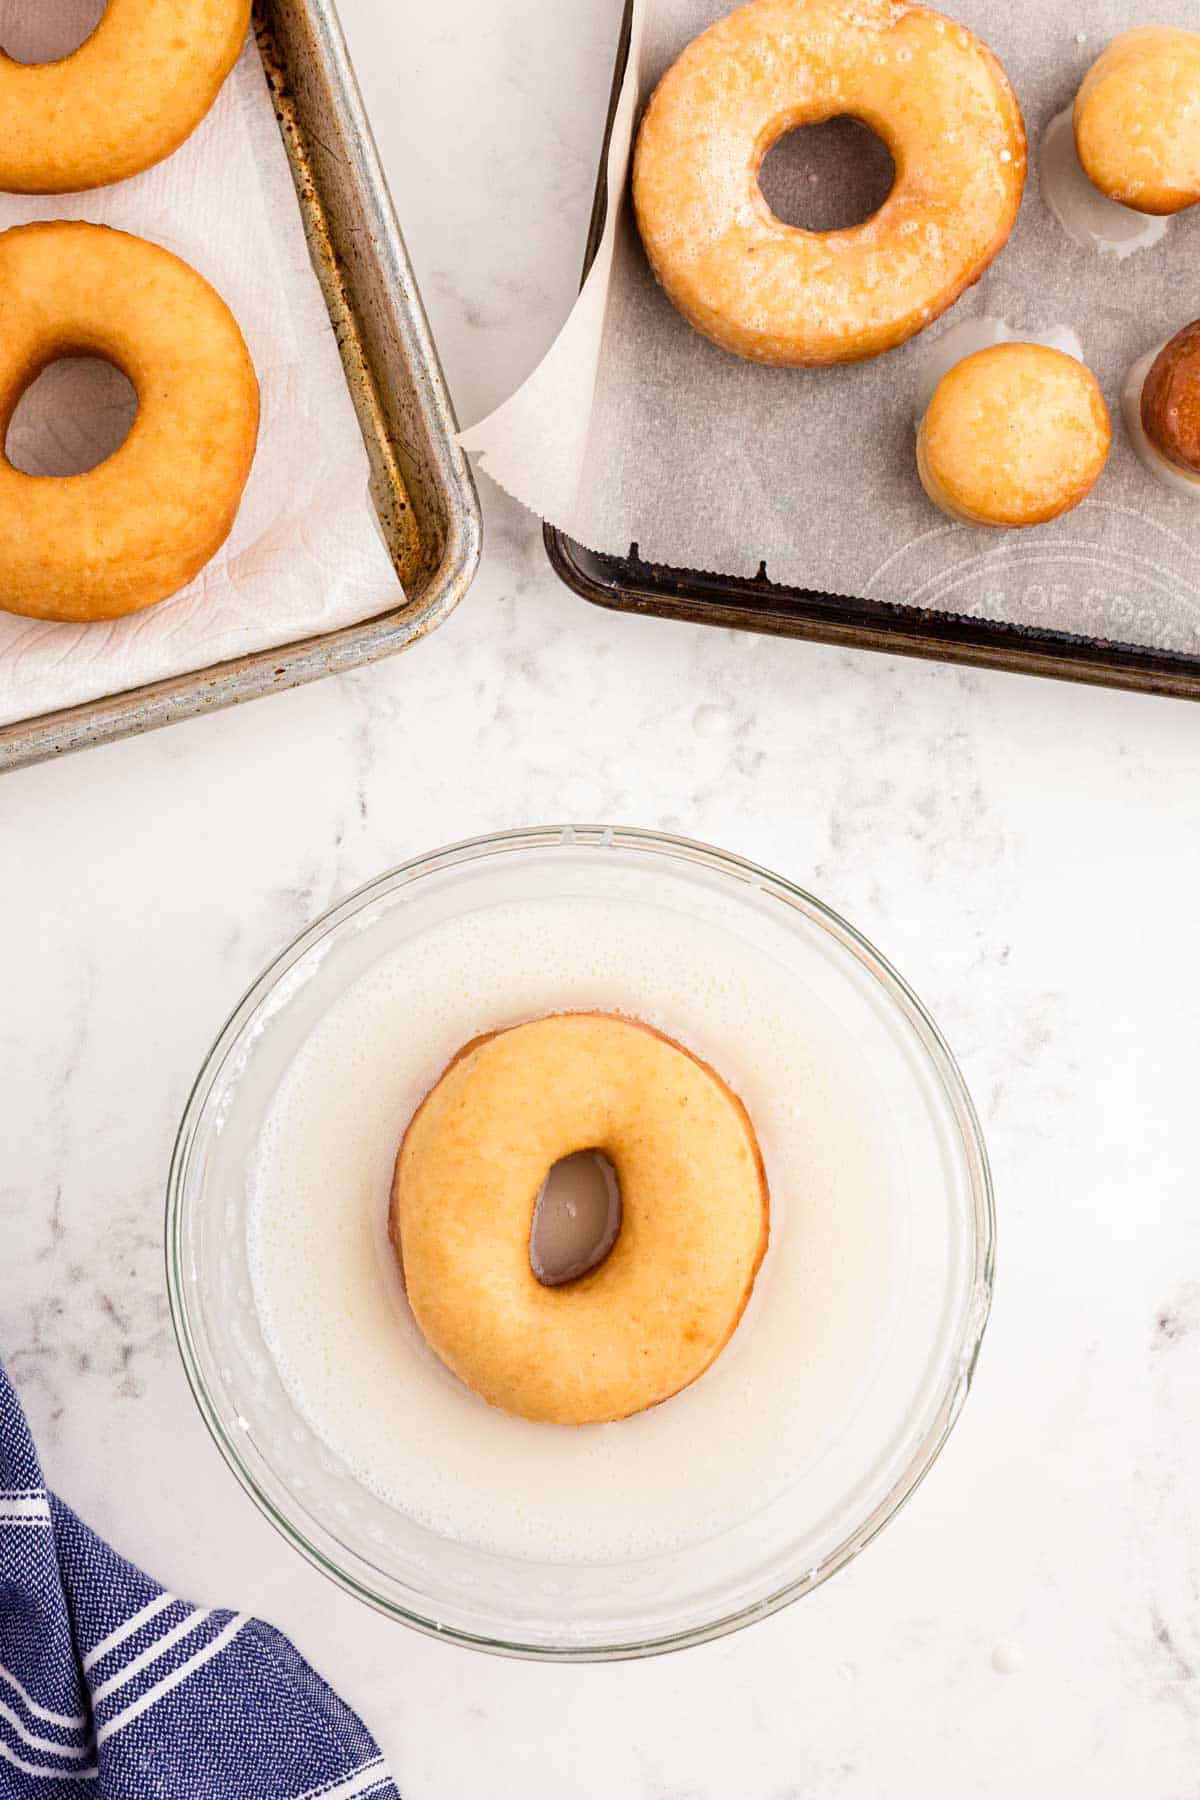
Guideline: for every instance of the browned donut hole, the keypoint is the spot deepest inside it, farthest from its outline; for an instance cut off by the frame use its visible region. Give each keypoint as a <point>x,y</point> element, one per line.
<point>1171,400</point>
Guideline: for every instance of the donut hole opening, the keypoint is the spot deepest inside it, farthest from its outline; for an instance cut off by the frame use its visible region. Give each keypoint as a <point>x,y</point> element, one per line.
<point>576,1218</point>
<point>45,34</point>
<point>827,177</point>
<point>72,418</point>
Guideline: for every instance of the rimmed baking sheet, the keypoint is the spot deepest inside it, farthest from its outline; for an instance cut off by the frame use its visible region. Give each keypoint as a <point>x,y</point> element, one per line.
<point>421,486</point>
<point>1087,599</point>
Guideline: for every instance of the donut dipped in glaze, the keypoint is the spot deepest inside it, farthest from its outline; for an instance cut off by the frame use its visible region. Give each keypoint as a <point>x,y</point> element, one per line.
<point>1137,120</point>
<point>649,1319</point>
<point>1161,403</point>
<point>128,96</point>
<point>142,523</point>
<point>1015,435</point>
<point>772,292</point>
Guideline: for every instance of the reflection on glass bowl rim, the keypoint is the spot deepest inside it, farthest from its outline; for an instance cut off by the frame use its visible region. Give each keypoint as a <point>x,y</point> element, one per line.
<point>462,1550</point>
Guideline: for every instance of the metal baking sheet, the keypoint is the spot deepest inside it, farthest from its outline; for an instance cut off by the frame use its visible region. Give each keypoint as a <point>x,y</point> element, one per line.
<point>422,487</point>
<point>629,584</point>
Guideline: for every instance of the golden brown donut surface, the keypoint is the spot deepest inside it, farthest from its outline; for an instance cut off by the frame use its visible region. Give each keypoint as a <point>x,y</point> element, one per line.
<point>775,293</point>
<point>1137,120</point>
<point>142,523</point>
<point>130,94</point>
<point>1014,435</point>
<point>1171,400</point>
<point>654,1315</point>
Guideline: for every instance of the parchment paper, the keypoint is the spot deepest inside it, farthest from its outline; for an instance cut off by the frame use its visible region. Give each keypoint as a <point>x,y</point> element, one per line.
<point>305,554</point>
<point>636,430</point>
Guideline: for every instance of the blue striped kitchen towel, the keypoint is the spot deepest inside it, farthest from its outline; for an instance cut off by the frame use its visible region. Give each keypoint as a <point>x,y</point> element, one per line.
<point>111,1687</point>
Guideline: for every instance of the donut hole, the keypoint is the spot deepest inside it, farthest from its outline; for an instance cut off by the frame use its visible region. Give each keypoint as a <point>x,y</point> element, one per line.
<point>73,417</point>
<point>576,1218</point>
<point>45,34</point>
<point>827,177</point>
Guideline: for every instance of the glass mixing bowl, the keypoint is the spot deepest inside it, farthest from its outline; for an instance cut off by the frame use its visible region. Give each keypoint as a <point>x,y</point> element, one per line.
<point>554,1609</point>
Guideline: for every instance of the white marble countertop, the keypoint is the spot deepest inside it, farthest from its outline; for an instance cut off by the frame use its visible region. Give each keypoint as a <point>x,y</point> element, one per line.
<point>1028,854</point>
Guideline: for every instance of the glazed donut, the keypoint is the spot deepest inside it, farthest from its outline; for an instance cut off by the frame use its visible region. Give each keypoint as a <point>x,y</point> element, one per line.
<point>1162,411</point>
<point>1014,435</point>
<point>652,1317</point>
<point>936,96</point>
<point>130,94</point>
<point>1137,120</point>
<point>142,523</point>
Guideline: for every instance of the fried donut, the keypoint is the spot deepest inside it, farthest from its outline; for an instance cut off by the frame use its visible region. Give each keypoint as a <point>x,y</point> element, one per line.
<point>649,1319</point>
<point>1014,435</point>
<point>772,292</point>
<point>1137,120</point>
<point>1161,404</point>
<point>142,523</point>
<point>130,94</point>
<point>1171,400</point>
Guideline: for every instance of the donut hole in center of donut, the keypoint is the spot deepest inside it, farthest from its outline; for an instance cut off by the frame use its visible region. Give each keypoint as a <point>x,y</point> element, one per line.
<point>46,34</point>
<point>827,177</point>
<point>71,418</point>
<point>576,1218</point>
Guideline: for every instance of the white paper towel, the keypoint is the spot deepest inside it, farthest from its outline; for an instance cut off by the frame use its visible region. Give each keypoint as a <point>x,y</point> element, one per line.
<point>634,429</point>
<point>305,555</point>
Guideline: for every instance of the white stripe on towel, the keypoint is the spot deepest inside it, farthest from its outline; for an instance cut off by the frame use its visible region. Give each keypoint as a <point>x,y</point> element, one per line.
<point>359,1781</point>
<point>320,1793</point>
<point>126,1630</point>
<point>75,1723</point>
<point>28,1768</point>
<point>32,1507</point>
<point>156,1693</point>
<point>151,1654</point>
<point>72,1751</point>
